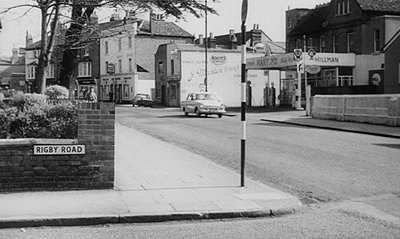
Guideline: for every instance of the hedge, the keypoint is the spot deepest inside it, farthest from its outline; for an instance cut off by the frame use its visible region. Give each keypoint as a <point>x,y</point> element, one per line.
<point>32,116</point>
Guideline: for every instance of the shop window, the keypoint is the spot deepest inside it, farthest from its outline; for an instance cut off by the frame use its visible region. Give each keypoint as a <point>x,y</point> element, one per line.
<point>377,41</point>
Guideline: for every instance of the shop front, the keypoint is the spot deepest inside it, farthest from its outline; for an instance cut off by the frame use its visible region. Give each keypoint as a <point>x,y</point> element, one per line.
<point>320,70</point>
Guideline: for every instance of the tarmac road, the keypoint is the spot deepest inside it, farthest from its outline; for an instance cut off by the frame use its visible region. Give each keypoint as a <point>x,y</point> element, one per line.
<point>316,165</point>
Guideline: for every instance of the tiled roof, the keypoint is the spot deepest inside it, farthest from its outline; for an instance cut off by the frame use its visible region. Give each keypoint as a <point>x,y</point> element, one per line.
<point>163,28</point>
<point>380,5</point>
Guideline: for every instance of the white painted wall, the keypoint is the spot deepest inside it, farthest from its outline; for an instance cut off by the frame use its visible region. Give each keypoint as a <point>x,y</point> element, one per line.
<point>224,77</point>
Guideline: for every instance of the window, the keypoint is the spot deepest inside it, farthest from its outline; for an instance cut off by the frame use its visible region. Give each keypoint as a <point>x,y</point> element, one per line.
<point>309,43</point>
<point>119,44</point>
<point>85,69</point>
<point>106,47</point>
<point>377,41</point>
<point>334,43</point>
<point>160,67</point>
<point>120,66</point>
<point>130,41</point>
<point>322,44</point>
<point>348,6</point>
<point>298,44</point>
<point>130,65</point>
<point>31,72</point>
<point>339,8</point>
<point>349,41</point>
<point>106,67</point>
<point>50,71</point>
<point>172,67</point>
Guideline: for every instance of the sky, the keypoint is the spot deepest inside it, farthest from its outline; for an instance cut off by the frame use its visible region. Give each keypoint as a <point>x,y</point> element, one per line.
<point>269,14</point>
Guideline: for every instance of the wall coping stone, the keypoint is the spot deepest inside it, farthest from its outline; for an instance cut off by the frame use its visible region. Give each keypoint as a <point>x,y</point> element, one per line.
<point>32,141</point>
<point>357,96</point>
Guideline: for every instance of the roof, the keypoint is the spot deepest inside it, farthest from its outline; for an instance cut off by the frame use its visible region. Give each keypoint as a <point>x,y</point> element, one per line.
<point>193,47</point>
<point>12,69</point>
<point>163,28</point>
<point>277,47</point>
<point>389,6</point>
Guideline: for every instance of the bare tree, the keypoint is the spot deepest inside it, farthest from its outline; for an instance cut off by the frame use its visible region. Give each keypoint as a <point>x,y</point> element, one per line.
<point>80,12</point>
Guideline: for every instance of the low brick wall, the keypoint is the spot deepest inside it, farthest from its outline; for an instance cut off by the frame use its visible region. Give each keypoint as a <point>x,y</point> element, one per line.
<point>374,109</point>
<point>21,170</point>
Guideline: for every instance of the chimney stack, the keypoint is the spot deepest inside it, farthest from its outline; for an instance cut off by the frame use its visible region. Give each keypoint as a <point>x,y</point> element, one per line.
<point>212,42</point>
<point>201,40</point>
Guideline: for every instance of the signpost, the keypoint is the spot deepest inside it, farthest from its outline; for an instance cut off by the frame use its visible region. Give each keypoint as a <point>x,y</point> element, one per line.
<point>244,88</point>
<point>298,55</point>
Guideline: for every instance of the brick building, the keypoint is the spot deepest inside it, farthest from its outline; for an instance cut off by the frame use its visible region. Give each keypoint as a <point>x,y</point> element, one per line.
<point>12,72</point>
<point>361,27</point>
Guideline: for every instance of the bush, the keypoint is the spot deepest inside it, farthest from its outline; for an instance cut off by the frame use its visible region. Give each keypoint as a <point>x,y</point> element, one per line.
<point>56,92</point>
<point>35,118</point>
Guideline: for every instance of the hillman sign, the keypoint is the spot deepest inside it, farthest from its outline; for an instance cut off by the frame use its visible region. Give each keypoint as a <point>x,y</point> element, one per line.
<point>286,61</point>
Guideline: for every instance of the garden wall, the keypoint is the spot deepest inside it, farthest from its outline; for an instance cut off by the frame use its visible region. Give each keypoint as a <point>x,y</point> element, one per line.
<point>374,109</point>
<point>21,170</point>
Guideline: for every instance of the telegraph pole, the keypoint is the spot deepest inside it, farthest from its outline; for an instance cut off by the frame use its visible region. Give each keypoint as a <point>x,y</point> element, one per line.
<point>244,88</point>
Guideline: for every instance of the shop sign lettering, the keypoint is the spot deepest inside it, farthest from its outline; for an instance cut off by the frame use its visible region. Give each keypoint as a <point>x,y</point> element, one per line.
<point>59,149</point>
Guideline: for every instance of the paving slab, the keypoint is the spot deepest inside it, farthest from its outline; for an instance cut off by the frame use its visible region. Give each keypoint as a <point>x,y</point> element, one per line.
<point>299,118</point>
<point>155,181</point>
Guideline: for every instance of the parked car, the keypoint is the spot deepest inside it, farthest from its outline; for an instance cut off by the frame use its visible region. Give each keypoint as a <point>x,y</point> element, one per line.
<point>142,100</point>
<point>203,103</point>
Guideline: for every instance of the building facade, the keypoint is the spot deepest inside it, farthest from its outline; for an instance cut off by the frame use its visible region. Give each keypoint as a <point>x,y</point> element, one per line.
<point>361,27</point>
<point>118,61</point>
<point>180,70</point>
<point>12,73</point>
<point>151,34</point>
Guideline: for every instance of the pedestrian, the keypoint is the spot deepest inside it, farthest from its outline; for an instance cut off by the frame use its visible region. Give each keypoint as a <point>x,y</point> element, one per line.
<point>92,97</point>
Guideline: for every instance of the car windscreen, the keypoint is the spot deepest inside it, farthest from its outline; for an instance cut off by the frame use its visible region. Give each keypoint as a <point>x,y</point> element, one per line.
<point>206,97</point>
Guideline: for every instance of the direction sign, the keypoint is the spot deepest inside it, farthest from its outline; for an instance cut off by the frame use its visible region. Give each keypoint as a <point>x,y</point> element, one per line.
<point>312,52</point>
<point>298,54</point>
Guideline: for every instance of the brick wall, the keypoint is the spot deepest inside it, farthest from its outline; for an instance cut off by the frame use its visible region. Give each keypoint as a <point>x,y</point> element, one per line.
<point>20,170</point>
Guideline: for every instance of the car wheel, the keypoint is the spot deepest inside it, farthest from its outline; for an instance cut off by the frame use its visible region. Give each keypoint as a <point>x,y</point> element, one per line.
<point>219,115</point>
<point>197,112</point>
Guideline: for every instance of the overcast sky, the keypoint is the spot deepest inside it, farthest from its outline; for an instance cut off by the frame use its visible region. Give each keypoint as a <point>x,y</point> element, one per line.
<point>269,14</point>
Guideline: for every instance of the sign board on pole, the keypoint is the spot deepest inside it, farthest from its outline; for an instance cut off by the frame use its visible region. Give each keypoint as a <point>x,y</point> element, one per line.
<point>312,69</point>
<point>300,67</point>
<point>244,10</point>
<point>312,52</point>
<point>298,54</point>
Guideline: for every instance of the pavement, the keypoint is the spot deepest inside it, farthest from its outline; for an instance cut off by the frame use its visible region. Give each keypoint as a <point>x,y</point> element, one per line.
<point>299,118</point>
<point>155,181</point>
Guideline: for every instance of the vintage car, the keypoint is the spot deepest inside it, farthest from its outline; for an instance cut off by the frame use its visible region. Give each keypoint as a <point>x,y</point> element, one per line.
<point>203,103</point>
<point>142,100</point>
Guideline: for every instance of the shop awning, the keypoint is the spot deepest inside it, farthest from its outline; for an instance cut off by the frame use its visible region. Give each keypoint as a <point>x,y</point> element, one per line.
<point>287,61</point>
